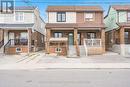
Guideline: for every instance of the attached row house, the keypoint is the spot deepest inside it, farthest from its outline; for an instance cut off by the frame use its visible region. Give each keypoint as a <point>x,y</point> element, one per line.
<point>117,24</point>
<point>75,30</point>
<point>22,31</point>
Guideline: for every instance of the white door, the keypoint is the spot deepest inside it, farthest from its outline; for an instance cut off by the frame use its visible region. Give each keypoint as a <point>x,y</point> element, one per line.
<point>11,37</point>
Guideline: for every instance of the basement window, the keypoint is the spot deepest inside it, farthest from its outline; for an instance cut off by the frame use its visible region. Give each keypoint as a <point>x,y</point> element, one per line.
<point>58,50</point>
<point>18,49</point>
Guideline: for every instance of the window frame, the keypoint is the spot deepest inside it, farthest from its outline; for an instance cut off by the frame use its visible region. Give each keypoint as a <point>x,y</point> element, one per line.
<point>19,15</point>
<point>61,14</point>
<point>128,17</point>
<point>58,34</point>
<point>90,35</point>
<point>89,18</point>
<point>58,49</point>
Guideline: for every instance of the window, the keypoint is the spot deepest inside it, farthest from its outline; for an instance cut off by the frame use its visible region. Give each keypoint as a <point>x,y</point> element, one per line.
<point>18,50</point>
<point>57,35</point>
<point>61,16</point>
<point>91,35</point>
<point>89,16</point>
<point>58,50</point>
<point>19,16</point>
<point>128,17</point>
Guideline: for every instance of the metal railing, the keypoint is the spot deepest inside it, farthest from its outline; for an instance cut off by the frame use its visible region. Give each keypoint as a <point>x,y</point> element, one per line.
<point>1,43</point>
<point>93,42</point>
<point>13,42</point>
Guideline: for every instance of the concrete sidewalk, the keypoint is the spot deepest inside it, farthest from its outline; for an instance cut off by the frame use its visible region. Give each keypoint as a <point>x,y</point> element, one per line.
<point>40,60</point>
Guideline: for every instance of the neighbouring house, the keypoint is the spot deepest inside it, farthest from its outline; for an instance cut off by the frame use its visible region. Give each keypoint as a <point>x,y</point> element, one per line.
<point>22,31</point>
<point>75,30</point>
<point>117,22</point>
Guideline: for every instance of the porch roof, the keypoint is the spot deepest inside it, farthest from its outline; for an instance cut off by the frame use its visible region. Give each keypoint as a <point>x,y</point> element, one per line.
<point>75,25</point>
<point>8,26</point>
<point>124,24</point>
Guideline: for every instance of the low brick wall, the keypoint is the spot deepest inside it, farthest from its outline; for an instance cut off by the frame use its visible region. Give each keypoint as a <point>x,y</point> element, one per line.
<point>12,50</point>
<point>95,50</point>
<point>63,52</point>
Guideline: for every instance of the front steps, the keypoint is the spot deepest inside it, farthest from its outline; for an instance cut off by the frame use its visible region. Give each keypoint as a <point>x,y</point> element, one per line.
<point>72,51</point>
<point>82,50</point>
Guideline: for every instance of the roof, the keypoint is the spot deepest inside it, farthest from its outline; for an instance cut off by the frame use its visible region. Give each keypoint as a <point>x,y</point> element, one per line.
<point>16,25</point>
<point>75,25</point>
<point>24,7</point>
<point>121,7</point>
<point>73,8</point>
<point>58,39</point>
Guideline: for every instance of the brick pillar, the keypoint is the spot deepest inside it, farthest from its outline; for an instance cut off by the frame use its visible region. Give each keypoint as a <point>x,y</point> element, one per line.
<point>29,40</point>
<point>82,38</point>
<point>103,39</point>
<point>122,41</point>
<point>48,35</point>
<point>75,36</point>
<point>76,41</point>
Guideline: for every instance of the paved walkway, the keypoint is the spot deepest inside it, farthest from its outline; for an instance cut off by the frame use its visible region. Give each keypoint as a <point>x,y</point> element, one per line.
<point>40,60</point>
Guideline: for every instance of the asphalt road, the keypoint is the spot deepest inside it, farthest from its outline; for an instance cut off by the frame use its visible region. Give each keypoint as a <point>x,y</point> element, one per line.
<point>66,78</point>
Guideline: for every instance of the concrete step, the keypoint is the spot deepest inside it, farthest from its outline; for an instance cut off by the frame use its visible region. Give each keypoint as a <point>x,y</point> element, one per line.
<point>72,51</point>
<point>111,53</point>
<point>2,50</point>
<point>82,51</point>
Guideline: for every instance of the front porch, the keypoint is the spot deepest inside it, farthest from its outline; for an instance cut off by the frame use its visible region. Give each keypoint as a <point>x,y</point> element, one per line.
<point>119,41</point>
<point>76,38</point>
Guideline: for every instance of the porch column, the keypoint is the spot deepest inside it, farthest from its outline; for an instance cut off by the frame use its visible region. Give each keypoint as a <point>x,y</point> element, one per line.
<point>48,35</point>
<point>1,35</point>
<point>29,40</point>
<point>76,41</point>
<point>103,39</point>
<point>122,41</point>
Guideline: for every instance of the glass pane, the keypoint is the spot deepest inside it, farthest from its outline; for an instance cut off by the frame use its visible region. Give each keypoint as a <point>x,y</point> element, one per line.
<point>63,17</point>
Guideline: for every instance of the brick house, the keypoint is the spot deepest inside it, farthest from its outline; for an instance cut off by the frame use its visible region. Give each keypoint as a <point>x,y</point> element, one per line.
<point>22,31</point>
<point>117,22</point>
<point>75,30</point>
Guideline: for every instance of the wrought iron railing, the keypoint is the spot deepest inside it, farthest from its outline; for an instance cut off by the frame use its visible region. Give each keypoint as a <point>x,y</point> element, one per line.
<point>13,42</point>
<point>1,43</point>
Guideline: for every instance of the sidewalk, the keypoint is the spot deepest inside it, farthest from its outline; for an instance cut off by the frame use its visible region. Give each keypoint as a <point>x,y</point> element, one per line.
<point>40,61</point>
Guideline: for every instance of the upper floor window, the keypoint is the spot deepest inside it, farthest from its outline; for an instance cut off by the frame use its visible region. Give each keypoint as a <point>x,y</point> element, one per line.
<point>128,16</point>
<point>89,16</point>
<point>19,16</point>
<point>61,16</point>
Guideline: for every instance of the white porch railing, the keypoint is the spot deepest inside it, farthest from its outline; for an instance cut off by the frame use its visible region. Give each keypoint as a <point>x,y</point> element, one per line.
<point>93,42</point>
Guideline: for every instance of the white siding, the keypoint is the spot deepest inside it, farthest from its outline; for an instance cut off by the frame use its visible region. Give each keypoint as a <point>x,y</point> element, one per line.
<point>122,16</point>
<point>10,18</point>
<point>70,17</point>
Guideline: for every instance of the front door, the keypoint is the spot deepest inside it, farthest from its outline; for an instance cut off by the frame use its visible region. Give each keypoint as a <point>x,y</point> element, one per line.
<point>71,39</point>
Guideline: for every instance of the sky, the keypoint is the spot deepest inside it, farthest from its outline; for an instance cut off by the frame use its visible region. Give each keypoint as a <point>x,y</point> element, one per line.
<point>42,4</point>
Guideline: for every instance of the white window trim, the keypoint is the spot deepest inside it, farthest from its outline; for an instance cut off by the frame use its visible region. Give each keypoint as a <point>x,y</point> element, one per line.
<point>93,16</point>
<point>19,20</point>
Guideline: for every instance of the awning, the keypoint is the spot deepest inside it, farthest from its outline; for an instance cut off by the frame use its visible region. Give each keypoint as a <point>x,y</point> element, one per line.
<point>58,39</point>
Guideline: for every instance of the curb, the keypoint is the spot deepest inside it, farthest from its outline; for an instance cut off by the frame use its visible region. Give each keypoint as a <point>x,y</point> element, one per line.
<point>66,66</point>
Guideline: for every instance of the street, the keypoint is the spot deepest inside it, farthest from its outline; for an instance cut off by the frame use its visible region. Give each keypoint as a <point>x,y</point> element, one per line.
<point>65,78</point>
